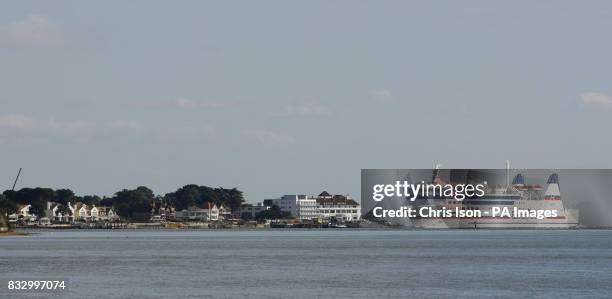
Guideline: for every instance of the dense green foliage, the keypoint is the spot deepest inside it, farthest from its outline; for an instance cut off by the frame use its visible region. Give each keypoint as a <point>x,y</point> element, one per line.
<point>273,213</point>
<point>135,204</point>
<point>7,206</point>
<point>200,196</point>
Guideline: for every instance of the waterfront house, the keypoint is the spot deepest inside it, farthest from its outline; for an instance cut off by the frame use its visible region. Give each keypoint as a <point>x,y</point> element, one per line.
<point>23,211</point>
<point>198,214</point>
<point>214,213</point>
<point>224,212</point>
<point>80,212</point>
<point>56,213</point>
<point>106,214</point>
<point>94,213</point>
<point>83,212</point>
<point>23,214</point>
<point>44,221</point>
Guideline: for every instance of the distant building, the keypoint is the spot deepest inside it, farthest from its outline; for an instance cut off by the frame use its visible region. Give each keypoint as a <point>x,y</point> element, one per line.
<point>251,210</point>
<point>342,207</point>
<point>300,206</point>
<point>54,213</point>
<point>79,212</point>
<point>44,221</point>
<point>24,211</point>
<point>325,205</point>
<point>22,214</point>
<point>224,212</point>
<point>198,214</point>
<point>106,214</point>
<point>57,213</point>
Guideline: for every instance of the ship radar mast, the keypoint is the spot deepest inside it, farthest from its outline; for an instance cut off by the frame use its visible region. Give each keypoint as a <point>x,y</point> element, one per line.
<point>507,173</point>
<point>435,174</point>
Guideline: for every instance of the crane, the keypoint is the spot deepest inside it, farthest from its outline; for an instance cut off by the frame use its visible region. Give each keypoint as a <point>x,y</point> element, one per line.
<point>17,178</point>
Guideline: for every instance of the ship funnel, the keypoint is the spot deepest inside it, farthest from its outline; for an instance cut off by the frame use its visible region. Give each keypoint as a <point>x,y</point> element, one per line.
<point>553,179</point>
<point>518,180</point>
<point>552,191</point>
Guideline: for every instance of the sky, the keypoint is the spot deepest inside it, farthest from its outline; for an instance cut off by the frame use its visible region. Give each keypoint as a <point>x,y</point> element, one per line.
<point>295,97</point>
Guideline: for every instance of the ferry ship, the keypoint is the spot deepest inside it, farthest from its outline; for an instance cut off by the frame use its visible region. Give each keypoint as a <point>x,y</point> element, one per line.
<point>511,197</point>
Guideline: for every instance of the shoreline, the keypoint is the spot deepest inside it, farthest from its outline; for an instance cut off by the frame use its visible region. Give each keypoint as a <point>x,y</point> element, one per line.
<point>14,233</point>
<point>31,230</point>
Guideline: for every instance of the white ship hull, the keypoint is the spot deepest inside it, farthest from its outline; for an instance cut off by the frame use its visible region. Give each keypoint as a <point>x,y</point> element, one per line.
<point>489,222</point>
<point>524,206</point>
<point>566,218</point>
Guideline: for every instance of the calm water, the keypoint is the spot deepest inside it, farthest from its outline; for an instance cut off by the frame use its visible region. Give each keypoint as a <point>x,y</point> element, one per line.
<point>320,263</point>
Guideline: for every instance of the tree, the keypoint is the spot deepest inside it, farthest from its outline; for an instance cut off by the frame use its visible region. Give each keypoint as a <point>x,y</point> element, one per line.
<point>233,198</point>
<point>106,201</point>
<point>64,210</point>
<point>246,216</point>
<point>185,197</point>
<point>134,204</point>
<point>158,203</point>
<point>38,198</point>
<point>208,194</point>
<point>91,200</point>
<point>7,206</point>
<point>194,195</point>
<point>64,196</point>
<point>273,213</point>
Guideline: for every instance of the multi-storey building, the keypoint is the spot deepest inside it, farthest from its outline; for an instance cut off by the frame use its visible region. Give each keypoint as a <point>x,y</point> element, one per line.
<point>300,206</point>
<point>342,207</point>
<point>325,205</point>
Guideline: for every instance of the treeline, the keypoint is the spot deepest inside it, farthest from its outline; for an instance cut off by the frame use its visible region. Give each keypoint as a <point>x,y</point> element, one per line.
<point>131,204</point>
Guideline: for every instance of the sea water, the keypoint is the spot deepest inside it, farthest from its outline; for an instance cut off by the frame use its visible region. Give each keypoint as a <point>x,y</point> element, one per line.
<point>306,263</point>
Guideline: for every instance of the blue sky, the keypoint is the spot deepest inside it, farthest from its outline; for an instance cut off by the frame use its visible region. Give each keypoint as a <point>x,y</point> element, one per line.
<point>285,97</point>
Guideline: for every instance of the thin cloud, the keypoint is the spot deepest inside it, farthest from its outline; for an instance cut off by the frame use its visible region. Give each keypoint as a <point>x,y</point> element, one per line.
<point>16,122</point>
<point>381,95</point>
<point>32,30</point>
<point>203,131</point>
<point>186,103</point>
<point>68,127</point>
<point>270,138</point>
<point>306,110</point>
<point>21,122</point>
<point>126,124</point>
<point>595,99</point>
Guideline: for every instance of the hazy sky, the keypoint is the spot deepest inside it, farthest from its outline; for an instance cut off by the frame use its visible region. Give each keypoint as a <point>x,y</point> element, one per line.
<point>286,97</point>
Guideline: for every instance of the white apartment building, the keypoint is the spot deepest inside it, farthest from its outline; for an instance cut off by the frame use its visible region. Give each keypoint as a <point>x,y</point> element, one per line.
<point>342,207</point>
<point>325,206</point>
<point>300,206</point>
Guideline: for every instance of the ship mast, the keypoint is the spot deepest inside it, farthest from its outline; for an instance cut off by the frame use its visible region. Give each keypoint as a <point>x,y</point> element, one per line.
<point>507,173</point>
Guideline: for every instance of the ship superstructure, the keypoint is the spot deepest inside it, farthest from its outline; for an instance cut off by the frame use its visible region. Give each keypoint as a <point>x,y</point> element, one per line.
<point>515,196</point>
